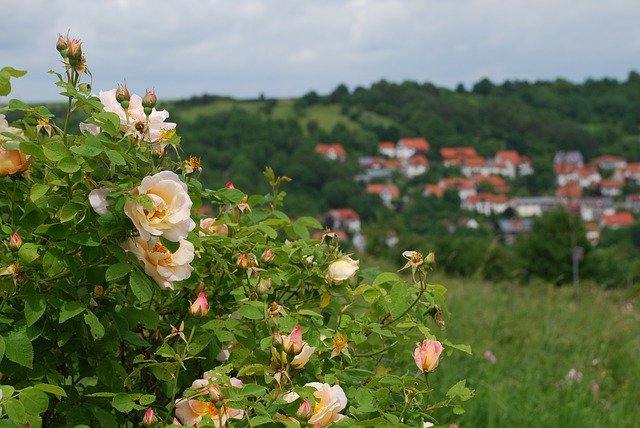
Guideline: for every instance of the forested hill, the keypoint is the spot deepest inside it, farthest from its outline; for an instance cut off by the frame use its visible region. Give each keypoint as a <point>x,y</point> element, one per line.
<point>236,139</point>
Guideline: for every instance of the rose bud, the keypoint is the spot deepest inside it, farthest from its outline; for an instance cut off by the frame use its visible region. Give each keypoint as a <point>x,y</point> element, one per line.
<point>305,411</point>
<point>149,417</point>
<point>200,307</point>
<point>15,242</point>
<point>243,262</point>
<point>62,45</point>
<point>74,52</point>
<point>229,185</point>
<point>267,255</point>
<point>427,355</point>
<point>149,102</point>
<point>122,94</point>
<point>342,269</point>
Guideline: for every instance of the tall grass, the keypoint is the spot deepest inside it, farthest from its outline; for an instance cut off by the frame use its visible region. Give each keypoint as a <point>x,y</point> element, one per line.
<point>538,334</point>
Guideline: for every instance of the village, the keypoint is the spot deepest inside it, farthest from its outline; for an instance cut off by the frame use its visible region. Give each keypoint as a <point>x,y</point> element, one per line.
<point>591,189</point>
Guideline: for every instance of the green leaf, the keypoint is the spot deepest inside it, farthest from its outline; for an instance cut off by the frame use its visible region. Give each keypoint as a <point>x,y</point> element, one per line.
<point>398,296</point>
<point>2,349</point>
<point>19,349</point>
<point>96,327</point>
<point>115,157</point>
<point>260,420</point>
<point>141,285</point>
<point>51,389</point>
<point>460,390</point>
<point>92,147</point>
<point>69,211</point>
<point>55,150</point>
<point>386,277</point>
<point>124,402</point>
<point>70,310</point>
<point>117,271</point>
<point>6,73</point>
<point>68,165</point>
<point>146,399</point>
<point>13,72</point>
<point>309,312</point>
<point>301,230</point>
<point>253,369</point>
<point>28,252</point>
<point>34,401</point>
<point>34,307</point>
<point>251,311</point>
<point>38,190</point>
<point>252,389</point>
<point>309,222</point>
<point>16,412</point>
<point>84,239</point>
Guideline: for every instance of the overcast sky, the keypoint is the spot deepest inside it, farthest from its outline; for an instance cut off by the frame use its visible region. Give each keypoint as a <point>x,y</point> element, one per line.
<point>288,47</point>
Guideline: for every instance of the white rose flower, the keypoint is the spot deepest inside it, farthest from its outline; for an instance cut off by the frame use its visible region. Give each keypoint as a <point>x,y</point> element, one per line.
<point>171,212</point>
<point>331,400</point>
<point>98,200</point>
<point>161,264</point>
<point>343,269</point>
<point>149,129</point>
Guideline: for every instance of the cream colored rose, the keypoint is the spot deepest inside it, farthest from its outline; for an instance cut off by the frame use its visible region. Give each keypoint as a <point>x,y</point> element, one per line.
<point>170,216</point>
<point>343,269</point>
<point>11,161</point>
<point>330,401</point>
<point>134,121</point>
<point>191,410</point>
<point>161,264</point>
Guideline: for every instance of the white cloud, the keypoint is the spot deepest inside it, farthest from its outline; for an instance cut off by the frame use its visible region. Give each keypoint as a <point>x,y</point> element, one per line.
<point>288,47</point>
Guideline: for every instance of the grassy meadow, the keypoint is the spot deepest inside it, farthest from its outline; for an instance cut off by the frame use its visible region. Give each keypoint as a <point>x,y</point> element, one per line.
<point>564,357</point>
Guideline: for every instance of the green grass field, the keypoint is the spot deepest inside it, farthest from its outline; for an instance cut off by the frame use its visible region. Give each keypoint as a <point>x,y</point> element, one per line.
<point>538,334</point>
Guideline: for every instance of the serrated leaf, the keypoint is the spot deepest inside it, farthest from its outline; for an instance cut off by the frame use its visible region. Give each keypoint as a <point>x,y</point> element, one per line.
<point>117,271</point>
<point>2,349</point>
<point>51,389</point>
<point>85,239</point>
<point>301,230</point>
<point>68,165</point>
<point>34,307</point>
<point>95,326</point>
<point>260,420</point>
<point>251,311</point>
<point>115,157</point>
<point>55,151</point>
<point>28,252</point>
<point>141,285</point>
<point>32,149</point>
<point>309,222</point>
<point>123,402</point>
<point>386,277</point>
<point>34,401</point>
<point>69,211</point>
<point>309,312</point>
<point>398,295</point>
<point>38,190</point>
<point>146,399</point>
<point>252,389</point>
<point>16,412</point>
<point>70,310</point>
<point>18,348</point>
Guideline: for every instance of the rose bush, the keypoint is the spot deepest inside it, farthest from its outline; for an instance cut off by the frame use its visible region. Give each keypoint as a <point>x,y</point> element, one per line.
<point>117,310</point>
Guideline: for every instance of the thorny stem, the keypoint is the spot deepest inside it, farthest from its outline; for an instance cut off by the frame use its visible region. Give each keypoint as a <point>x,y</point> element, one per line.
<point>181,360</point>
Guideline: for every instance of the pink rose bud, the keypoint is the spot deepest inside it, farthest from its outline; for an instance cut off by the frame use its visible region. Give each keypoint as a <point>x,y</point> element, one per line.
<point>229,185</point>
<point>15,242</point>
<point>149,99</point>
<point>267,255</point>
<point>243,262</point>
<point>122,94</point>
<point>305,411</point>
<point>62,45</point>
<point>74,52</point>
<point>149,417</point>
<point>427,355</point>
<point>176,422</point>
<point>200,307</point>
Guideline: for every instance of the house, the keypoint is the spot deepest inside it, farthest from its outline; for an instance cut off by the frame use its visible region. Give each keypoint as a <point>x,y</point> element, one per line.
<point>510,163</point>
<point>609,162</point>
<point>332,151</point>
<point>392,239</point>
<point>497,183</point>
<point>475,165</point>
<point>630,173</point>
<point>342,219</point>
<point>533,206</point>
<point>611,187</point>
<point>593,232</point>
<point>632,202</point>
<point>592,209</point>
<point>464,186</point>
<point>453,156</point>
<point>588,176</point>
<point>486,203</point>
<point>568,158</point>
<point>510,228</point>
<point>387,148</point>
<point>387,192</point>
<point>433,190</point>
<point>415,165</point>
<point>617,220</point>
<point>570,192</point>
<point>408,147</point>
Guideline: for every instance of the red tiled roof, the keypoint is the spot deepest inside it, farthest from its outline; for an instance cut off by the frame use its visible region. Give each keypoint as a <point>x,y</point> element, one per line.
<point>488,197</point>
<point>571,191</point>
<point>508,156</point>
<point>325,149</point>
<point>457,183</point>
<point>386,145</point>
<point>381,188</point>
<point>474,161</point>
<point>418,160</point>
<point>434,190</point>
<point>344,214</point>
<point>607,159</point>
<point>497,182</point>
<point>449,153</point>
<point>622,218</point>
<point>612,184</point>
<point>392,163</point>
<point>417,143</point>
